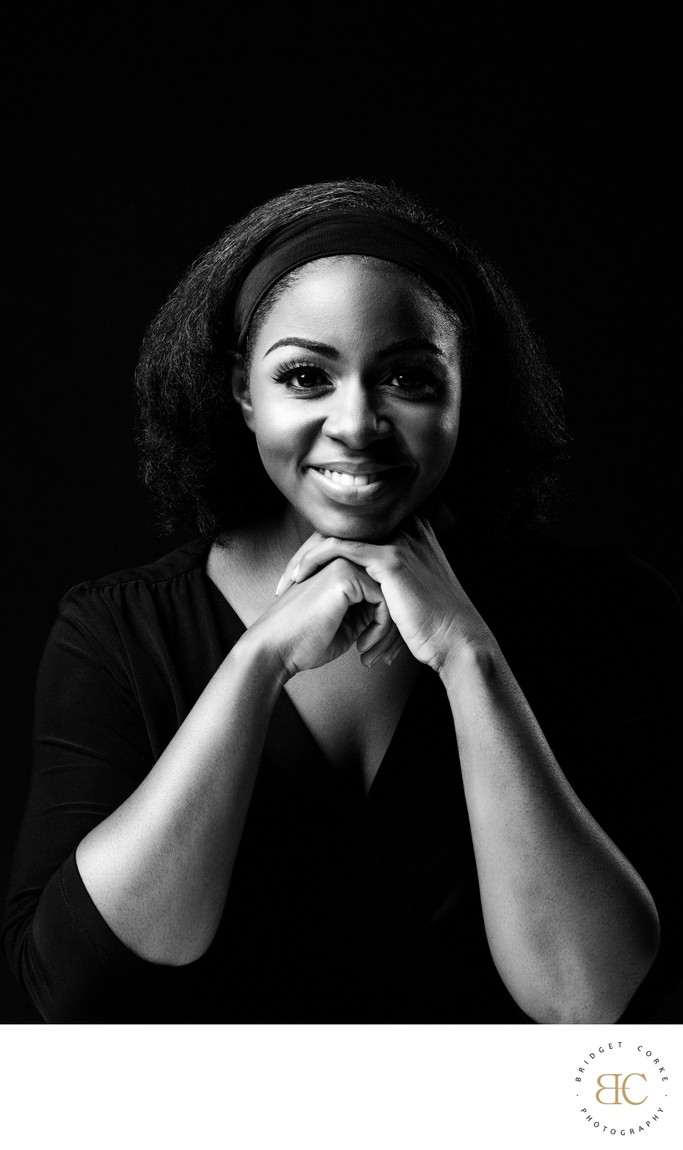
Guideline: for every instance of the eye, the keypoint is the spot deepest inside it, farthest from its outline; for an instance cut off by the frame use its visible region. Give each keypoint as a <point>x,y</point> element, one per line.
<point>301,377</point>
<point>413,382</point>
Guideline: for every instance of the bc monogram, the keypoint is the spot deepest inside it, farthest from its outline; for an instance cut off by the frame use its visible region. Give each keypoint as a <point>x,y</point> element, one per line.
<point>640,1089</point>
<point>618,1088</point>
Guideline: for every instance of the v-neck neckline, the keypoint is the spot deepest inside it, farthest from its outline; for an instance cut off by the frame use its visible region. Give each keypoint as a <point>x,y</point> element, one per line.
<point>287,716</point>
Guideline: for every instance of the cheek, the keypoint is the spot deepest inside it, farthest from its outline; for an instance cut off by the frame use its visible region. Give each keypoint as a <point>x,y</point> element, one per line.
<point>437,438</point>
<point>281,432</point>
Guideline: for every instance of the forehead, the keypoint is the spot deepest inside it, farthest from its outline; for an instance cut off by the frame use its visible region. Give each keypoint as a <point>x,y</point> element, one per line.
<point>355,297</point>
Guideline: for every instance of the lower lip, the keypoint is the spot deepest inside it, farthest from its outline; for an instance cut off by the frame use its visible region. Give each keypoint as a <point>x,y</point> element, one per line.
<point>356,496</point>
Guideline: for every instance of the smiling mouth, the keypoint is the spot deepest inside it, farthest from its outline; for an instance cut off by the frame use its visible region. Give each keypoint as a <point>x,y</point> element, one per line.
<point>346,479</point>
<point>356,487</point>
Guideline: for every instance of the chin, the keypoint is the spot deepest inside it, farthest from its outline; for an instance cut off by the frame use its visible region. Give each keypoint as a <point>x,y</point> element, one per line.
<point>361,528</point>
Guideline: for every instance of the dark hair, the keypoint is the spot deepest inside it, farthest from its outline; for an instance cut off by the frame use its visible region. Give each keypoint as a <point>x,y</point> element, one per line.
<point>199,460</point>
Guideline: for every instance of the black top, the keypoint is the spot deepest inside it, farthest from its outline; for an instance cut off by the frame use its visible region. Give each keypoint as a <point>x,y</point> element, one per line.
<point>342,907</point>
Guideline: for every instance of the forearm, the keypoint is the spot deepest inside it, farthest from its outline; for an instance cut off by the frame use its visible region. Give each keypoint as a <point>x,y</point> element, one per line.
<point>571,926</point>
<point>158,868</point>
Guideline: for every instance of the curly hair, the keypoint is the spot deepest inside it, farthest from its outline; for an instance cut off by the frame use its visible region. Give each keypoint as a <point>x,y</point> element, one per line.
<point>200,462</point>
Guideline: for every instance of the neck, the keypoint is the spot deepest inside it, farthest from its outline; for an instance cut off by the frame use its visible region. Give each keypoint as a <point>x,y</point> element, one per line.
<point>273,541</point>
<point>267,545</point>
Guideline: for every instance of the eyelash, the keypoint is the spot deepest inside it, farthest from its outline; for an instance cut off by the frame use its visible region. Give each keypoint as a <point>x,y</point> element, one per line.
<point>287,372</point>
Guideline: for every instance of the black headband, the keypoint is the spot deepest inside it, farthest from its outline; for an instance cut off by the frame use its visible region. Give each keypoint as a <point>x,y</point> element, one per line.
<point>359,232</point>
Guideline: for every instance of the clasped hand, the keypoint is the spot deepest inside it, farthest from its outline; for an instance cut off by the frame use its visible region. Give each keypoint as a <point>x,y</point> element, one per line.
<point>335,592</point>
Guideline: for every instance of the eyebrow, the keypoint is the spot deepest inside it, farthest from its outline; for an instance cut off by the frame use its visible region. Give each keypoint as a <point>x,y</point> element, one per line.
<point>309,344</point>
<point>411,343</point>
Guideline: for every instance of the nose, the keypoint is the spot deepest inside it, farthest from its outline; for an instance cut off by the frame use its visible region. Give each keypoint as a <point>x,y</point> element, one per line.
<point>353,417</point>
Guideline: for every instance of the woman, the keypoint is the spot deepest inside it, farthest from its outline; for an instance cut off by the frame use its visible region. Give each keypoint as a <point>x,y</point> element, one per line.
<point>288,772</point>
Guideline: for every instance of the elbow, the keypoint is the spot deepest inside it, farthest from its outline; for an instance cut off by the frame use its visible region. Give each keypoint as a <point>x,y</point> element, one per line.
<point>589,1009</point>
<point>583,993</point>
<point>39,985</point>
<point>68,979</point>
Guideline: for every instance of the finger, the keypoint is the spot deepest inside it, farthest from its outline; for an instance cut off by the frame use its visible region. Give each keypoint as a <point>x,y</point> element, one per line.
<point>425,529</point>
<point>418,530</point>
<point>356,621</point>
<point>367,620</point>
<point>362,554</point>
<point>431,539</point>
<point>412,528</point>
<point>285,581</point>
<point>386,650</point>
<point>370,655</point>
<point>393,650</point>
<point>380,629</point>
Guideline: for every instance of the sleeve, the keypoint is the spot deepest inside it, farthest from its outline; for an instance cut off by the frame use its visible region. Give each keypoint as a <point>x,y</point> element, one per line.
<point>627,743</point>
<point>645,780</point>
<point>91,749</point>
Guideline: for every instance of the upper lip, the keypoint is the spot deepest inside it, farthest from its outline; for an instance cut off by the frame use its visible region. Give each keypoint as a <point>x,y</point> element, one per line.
<point>355,467</point>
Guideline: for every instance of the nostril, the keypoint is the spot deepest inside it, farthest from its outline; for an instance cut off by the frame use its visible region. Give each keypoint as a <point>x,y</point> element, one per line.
<point>356,421</point>
<point>357,434</point>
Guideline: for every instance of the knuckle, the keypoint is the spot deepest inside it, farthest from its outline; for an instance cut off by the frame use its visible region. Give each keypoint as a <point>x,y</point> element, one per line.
<point>343,547</point>
<point>343,567</point>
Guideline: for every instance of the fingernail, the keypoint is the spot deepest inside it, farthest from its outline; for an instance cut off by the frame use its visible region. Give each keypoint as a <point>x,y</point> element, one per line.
<point>295,573</point>
<point>279,586</point>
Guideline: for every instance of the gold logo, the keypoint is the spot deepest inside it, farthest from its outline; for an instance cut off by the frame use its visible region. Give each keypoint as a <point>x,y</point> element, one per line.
<point>617,1088</point>
<point>633,1101</point>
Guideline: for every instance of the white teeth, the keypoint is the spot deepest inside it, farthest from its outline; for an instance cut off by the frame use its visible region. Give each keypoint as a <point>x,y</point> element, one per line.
<point>344,479</point>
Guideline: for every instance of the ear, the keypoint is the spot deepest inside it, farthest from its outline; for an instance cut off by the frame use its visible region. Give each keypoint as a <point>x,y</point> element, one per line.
<point>240,389</point>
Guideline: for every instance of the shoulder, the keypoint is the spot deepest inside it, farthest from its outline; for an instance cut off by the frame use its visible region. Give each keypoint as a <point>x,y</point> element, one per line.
<point>537,561</point>
<point>607,578</point>
<point>178,565</point>
<point>547,592</point>
<point>135,600</point>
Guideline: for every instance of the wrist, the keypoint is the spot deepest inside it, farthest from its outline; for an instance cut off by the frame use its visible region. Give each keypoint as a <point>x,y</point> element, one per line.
<point>474,660</point>
<point>254,658</point>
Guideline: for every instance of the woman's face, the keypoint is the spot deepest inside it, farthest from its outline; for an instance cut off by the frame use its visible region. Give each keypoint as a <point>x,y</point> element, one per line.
<point>353,395</point>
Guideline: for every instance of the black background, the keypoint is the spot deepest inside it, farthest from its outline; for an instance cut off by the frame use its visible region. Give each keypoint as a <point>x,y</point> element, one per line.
<point>551,139</point>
